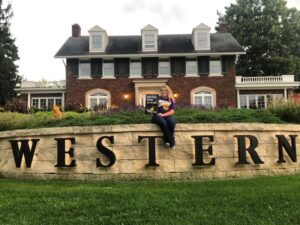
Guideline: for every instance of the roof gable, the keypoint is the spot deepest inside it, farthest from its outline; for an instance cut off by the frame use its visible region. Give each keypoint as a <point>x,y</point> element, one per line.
<point>202,26</point>
<point>149,27</point>
<point>96,29</point>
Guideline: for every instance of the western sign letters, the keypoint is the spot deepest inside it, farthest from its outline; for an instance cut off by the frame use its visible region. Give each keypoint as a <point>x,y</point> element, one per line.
<point>21,149</point>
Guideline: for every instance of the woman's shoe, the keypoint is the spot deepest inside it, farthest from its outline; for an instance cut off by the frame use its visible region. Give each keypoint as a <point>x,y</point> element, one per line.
<point>172,148</point>
<point>167,145</point>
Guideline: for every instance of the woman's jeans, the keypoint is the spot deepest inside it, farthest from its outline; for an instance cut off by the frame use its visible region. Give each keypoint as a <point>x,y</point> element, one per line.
<point>167,126</point>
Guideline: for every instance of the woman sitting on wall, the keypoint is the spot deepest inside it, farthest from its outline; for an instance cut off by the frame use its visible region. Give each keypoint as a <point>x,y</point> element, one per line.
<point>164,118</point>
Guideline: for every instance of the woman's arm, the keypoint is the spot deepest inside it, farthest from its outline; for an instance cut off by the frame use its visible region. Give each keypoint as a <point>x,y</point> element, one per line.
<point>169,113</point>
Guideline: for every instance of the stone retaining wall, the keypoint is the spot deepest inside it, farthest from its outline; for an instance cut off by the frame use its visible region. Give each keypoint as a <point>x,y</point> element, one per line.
<point>132,155</point>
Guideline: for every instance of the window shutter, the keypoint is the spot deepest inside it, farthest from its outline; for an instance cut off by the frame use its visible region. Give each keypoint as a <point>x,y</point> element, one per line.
<point>74,64</point>
<point>203,65</point>
<point>224,60</point>
<point>143,67</point>
<point>96,67</point>
<point>183,66</point>
<point>116,68</point>
<point>155,67</point>
<point>173,62</point>
<point>127,67</point>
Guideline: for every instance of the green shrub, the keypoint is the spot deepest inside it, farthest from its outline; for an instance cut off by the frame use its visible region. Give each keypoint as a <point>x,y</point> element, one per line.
<point>286,111</point>
<point>10,121</point>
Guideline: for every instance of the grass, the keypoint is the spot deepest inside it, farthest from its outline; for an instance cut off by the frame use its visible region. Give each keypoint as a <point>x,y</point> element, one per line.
<point>262,200</point>
<point>11,121</point>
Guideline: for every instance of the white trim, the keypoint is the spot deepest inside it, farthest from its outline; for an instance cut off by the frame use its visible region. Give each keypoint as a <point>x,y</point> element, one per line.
<point>204,89</point>
<point>63,101</point>
<point>265,86</point>
<point>108,77</point>
<point>135,76</point>
<point>105,56</point>
<point>155,43</point>
<point>84,78</point>
<point>28,100</point>
<point>95,91</point>
<point>285,95</point>
<point>216,75</point>
<point>142,84</point>
<point>47,99</point>
<point>238,97</point>
<point>40,90</point>
<point>191,75</point>
<point>164,76</point>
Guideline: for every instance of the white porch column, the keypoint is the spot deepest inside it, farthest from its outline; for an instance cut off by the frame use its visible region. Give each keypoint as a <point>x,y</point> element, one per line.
<point>285,95</point>
<point>136,94</point>
<point>63,101</point>
<point>238,98</point>
<point>28,100</point>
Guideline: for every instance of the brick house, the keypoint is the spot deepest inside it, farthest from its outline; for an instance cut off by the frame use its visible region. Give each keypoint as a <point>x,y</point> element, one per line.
<point>120,70</point>
<point>107,71</point>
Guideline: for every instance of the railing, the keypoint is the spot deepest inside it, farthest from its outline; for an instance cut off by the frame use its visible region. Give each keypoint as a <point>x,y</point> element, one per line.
<point>43,84</point>
<point>265,79</point>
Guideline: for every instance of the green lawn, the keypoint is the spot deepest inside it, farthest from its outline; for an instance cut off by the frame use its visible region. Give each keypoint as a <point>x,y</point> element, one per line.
<point>263,200</point>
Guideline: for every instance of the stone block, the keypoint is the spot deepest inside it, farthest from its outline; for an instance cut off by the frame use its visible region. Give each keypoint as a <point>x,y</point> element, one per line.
<point>101,130</point>
<point>135,136</point>
<point>186,165</point>
<point>165,165</point>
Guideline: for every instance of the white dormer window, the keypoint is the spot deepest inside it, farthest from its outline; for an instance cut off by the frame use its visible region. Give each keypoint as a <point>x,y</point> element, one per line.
<point>96,41</point>
<point>149,41</point>
<point>201,37</point>
<point>149,38</point>
<point>202,40</point>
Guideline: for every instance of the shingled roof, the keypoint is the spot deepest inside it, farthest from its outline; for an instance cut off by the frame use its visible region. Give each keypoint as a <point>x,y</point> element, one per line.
<point>177,43</point>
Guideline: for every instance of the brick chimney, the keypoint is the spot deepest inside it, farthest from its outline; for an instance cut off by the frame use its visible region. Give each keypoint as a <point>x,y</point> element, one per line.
<point>223,27</point>
<point>76,30</point>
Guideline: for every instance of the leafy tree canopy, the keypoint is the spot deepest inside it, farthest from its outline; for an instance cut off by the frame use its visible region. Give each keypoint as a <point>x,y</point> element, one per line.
<point>8,56</point>
<point>270,33</point>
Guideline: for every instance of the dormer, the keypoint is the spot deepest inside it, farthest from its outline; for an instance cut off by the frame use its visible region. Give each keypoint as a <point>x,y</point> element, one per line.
<point>201,37</point>
<point>98,39</point>
<point>149,38</point>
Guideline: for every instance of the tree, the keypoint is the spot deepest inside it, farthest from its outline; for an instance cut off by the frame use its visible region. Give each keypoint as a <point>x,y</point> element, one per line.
<point>270,34</point>
<point>8,55</point>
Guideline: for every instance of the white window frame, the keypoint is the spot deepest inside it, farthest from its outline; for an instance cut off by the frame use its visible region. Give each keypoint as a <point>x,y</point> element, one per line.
<point>191,66</point>
<point>84,69</point>
<point>205,89</point>
<point>149,42</point>
<point>203,40</point>
<point>274,96</point>
<point>134,67</point>
<point>215,68</point>
<point>97,41</point>
<point>108,66</point>
<point>102,96</point>
<point>165,65</point>
<point>47,100</point>
<point>202,95</point>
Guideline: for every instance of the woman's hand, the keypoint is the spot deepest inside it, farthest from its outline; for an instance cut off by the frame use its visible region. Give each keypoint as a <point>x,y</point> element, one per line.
<point>160,114</point>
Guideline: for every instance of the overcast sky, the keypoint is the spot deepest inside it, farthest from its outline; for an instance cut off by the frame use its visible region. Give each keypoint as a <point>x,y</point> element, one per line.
<point>42,26</point>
